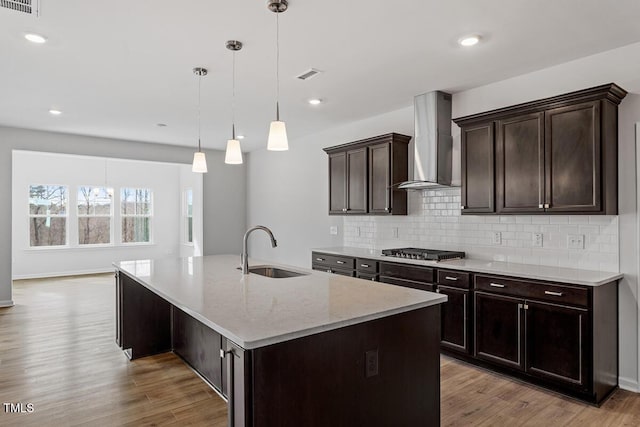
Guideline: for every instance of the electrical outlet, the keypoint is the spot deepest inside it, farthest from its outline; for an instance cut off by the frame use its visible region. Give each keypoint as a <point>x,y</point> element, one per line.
<point>371,362</point>
<point>395,232</point>
<point>537,240</point>
<point>497,238</point>
<point>333,230</point>
<point>575,241</point>
<point>358,231</point>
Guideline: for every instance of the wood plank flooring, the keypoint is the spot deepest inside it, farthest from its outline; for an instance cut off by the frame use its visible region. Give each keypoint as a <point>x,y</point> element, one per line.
<point>57,351</point>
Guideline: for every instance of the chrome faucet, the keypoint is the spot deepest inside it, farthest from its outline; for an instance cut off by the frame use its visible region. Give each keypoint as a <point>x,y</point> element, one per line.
<point>245,255</point>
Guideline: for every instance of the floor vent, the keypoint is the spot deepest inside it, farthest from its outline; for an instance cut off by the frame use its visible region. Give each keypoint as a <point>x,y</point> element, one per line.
<point>312,72</point>
<point>30,7</point>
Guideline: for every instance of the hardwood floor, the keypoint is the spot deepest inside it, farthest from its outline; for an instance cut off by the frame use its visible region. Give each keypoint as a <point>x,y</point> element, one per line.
<point>57,351</point>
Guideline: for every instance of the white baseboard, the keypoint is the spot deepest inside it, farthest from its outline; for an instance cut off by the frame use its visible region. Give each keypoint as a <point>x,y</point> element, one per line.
<point>62,274</point>
<point>629,384</point>
<point>6,303</point>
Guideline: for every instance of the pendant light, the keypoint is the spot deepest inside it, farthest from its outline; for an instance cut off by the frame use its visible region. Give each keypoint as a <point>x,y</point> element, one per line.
<point>233,156</point>
<point>277,132</point>
<point>199,159</point>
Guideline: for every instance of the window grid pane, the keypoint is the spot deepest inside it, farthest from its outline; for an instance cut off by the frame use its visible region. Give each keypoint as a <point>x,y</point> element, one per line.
<point>136,208</point>
<point>47,215</point>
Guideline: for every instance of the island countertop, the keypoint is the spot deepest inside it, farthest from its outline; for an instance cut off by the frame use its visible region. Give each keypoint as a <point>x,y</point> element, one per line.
<point>255,311</point>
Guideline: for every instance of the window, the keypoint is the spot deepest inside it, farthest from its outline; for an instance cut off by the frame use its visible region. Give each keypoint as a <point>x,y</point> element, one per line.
<point>47,215</point>
<point>94,215</point>
<point>188,214</point>
<point>136,209</point>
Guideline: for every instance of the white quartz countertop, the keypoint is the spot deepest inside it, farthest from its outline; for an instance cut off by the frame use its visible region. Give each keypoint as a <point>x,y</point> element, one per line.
<point>527,271</point>
<point>254,311</point>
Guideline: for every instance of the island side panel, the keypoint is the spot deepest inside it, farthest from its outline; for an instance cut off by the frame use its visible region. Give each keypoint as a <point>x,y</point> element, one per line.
<point>145,319</point>
<point>323,379</point>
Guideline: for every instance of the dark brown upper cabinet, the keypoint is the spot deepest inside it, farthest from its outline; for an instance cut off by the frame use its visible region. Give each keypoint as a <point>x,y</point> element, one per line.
<point>478,171</point>
<point>555,155</point>
<point>363,176</point>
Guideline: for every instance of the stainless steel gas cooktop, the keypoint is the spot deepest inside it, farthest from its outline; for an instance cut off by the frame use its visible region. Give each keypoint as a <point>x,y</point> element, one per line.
<point>423,254</point>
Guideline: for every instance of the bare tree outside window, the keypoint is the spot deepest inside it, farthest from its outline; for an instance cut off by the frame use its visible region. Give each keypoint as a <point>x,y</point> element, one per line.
<point>47,215</point>
<point>136,211</point>
<point>94,215</point>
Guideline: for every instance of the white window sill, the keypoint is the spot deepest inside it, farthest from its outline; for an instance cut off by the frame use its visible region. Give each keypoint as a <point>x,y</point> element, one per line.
<point>85,247</point>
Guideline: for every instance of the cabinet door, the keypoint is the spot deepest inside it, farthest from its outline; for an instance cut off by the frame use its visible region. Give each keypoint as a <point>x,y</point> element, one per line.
<point>379,178</point>
<point>557,343</point>
<point>520,164</point>
<point>454,319</point>
<point>357,181</point>
<point>478,181</point>
<point>499,330</point>
<point>337,183</point>
<point>572,146</point>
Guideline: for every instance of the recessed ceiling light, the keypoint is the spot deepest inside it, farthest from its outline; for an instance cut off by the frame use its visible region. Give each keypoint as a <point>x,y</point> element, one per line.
<point>35,38</point>
<point>315,101</point>
<point>467,41</point>
<point>55,112</point>
<point>240,136</point>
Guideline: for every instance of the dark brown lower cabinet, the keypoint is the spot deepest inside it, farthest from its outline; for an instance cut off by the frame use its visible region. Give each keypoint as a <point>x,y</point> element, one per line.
<point>499,330</point>
<point>454,317</point>
<point>557,343</point>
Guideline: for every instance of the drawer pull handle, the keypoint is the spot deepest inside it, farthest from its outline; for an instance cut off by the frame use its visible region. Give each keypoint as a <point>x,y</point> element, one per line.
<point>451,278</point>
<point>496,285</point>
<point>319,259</point>
<point>364,265</point>
<point>340,262</point>
<point>555,294</point>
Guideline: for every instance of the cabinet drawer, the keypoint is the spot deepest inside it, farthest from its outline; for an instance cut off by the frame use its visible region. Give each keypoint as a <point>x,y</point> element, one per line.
<point>457,279</point>
<point>366,265</point>
<point>407,283</point>
<point>338,261</point>
<point>551,292</point>
<point>367,276</point>
<point>408,272</point>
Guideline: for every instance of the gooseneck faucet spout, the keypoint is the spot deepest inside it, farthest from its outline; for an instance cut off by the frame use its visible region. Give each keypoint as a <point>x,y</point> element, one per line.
<point>245,255</point>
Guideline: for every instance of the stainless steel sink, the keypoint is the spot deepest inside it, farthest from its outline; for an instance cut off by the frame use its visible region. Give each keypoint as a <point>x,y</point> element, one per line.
<point>274,272</point>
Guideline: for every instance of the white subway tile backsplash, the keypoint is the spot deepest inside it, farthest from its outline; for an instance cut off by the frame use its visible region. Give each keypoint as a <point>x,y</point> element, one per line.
<point>434,221</point>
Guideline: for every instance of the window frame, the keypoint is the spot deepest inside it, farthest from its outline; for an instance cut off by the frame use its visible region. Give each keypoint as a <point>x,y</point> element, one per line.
<point>65,216</point>
<point>186,216</point>
<point>150,215</point>
<point>110,216</point>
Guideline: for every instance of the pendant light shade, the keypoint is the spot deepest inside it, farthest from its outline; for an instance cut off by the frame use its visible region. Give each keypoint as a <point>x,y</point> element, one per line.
<point>278,136</point>
<point>233,155</point>
<point>199,162</point>
<point>199,159</point>
<point>278,140</point>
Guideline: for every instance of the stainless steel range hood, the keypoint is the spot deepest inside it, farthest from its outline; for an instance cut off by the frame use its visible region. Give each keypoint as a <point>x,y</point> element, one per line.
<point>434,154</point>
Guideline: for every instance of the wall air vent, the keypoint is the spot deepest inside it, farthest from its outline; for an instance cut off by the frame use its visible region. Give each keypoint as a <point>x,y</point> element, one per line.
<point>311,72</point>
<point>31,7</point>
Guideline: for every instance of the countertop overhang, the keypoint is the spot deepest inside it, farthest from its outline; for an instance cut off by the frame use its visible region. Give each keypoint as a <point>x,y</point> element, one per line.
<point>527,271</point>
<point>255,311</point>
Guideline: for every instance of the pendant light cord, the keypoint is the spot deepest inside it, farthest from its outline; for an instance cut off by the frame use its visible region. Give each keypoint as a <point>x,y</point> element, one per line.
<point>277,68</point>
<point>233,97</point>
<point>199,95</point>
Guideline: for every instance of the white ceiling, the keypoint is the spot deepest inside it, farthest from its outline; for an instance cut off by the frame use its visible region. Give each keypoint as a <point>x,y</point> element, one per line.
<point>117,68</point>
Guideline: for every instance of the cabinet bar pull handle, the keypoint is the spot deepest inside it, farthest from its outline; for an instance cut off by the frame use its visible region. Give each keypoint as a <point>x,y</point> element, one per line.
<point>364,265</point>
<point>541,206</point>
<point>340,262</point>
<point>555,294</point>
<point>546,205</point>
<point>451,278</point>
<point>319,259</point>
<point>344,209</point>
<point>496,285</point>
<point>461,207</point>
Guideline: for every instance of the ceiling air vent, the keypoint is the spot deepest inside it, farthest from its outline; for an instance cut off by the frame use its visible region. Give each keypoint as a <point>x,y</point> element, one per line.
<point>30,7</point>
<point>311,72</point>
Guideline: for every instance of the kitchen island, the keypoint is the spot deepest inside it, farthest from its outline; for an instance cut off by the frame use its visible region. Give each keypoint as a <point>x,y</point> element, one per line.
<point>314,349</point>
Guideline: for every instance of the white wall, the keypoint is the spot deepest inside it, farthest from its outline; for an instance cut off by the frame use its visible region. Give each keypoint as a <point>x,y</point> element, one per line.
<point>164,180</point>
<point>223,187</point>
<point>289,191</point>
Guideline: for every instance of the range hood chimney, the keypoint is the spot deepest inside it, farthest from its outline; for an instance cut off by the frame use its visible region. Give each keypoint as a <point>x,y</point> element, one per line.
<point>433,162</point>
